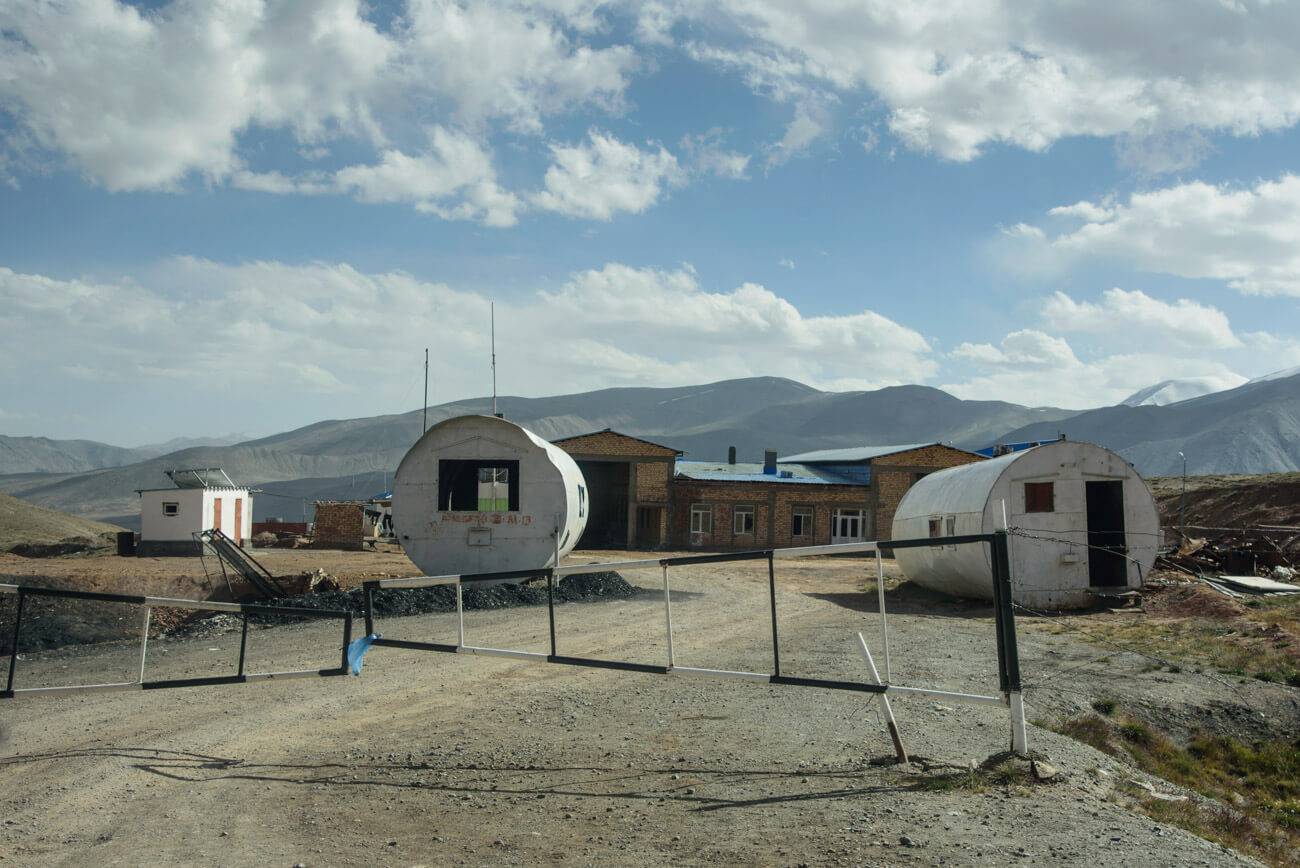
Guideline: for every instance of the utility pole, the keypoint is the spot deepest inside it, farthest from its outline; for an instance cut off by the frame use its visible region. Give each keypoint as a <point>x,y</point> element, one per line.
<point>1182,513</point>
<point>493,308</point>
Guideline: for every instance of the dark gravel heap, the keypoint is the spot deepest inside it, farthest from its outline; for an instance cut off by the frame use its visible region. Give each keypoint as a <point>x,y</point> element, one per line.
<point>55,623</point>
<point>401,602</point>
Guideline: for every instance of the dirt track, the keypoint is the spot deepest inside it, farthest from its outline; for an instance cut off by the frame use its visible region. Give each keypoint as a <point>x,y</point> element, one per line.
<point>450,759</point>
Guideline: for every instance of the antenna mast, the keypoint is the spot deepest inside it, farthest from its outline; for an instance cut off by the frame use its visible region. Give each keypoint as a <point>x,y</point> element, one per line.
<point>493,309</point>
<point>426,390</point>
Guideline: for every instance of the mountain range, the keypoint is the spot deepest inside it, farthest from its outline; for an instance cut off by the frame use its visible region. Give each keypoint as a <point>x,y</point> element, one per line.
<point>1254,428</point>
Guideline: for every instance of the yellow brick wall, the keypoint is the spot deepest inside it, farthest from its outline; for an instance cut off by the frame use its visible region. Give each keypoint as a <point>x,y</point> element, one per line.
<point>652,481</point>
<point>776,500</point>
<point>611,443</point>
<point>338,525</point>
<point>893,475</point>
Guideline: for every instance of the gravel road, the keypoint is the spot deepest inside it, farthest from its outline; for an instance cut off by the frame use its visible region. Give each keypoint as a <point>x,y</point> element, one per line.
<point>441,759</point>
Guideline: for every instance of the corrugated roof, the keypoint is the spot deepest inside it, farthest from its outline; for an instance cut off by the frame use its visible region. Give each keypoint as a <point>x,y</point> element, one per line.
<point>848,456</point>
<point>560,440</point>
<point>721,471</point>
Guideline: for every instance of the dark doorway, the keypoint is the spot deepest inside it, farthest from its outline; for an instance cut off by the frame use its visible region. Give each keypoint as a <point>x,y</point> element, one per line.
<point>1107,549</point>
<point>607,490</point>
<point>647,526</point>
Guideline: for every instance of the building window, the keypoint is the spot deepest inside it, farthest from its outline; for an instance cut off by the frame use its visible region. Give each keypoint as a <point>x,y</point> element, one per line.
<point>478,485</point>
<point>701,518</point>
<point>1038,497</point>
<point>801,521</point>
<point>742,520</point>
<point>171,509</point>
<point>936,527</point>
<point>847,525</point>
<point>952,525</point>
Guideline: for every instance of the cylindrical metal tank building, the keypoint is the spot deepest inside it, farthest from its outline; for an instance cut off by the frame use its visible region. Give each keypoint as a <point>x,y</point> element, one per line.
<point>1083,523</point>
<point>478,494</point>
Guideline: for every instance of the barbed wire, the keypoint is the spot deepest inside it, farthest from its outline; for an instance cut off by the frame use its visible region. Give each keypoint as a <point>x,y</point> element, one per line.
<point>1021,532</point>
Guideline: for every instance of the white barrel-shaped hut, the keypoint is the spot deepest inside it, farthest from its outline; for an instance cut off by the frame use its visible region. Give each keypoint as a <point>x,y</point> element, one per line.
<point>1083,523</point>
<point>478,494</point>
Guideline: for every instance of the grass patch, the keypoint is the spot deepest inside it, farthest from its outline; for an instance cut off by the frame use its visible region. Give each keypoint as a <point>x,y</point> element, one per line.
<point>1255,785</point>
<point>1257,644</point>
<point>1006,775</point>
<point>1104,706</point>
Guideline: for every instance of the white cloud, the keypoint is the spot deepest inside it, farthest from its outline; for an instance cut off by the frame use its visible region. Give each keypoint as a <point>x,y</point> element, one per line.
<point>802,131</point>
<point>456,167</point>
<point>1026,349</point>
<point>510,61</point>
<point>956,77</point>
<point>604,176</point>
<point>704,154</point>
<point>787,263</point>
<point>747,331</point>
<point>144,100</point>
<point>1249,238</point>
<point>1183,323</point>
<point>1033,368</point>
<point>141,100</point>
<point>289,337</point>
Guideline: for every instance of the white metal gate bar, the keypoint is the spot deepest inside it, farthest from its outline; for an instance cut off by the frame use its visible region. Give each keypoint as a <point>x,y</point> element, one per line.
<point>1008,661</point>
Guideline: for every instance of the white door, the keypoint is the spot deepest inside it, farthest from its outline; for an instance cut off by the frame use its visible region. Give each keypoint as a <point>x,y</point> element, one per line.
<point>846,526</point>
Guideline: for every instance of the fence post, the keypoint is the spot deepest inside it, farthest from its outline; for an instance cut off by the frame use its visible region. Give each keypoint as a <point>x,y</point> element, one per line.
<point>1008,652</point>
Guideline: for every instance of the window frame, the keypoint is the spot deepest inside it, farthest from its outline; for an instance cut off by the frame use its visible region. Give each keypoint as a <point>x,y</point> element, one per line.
<point>458,480</point>
<point>171,508</point>
<point>739,512</point>
<point>798,512</point>
<point>704,512</point>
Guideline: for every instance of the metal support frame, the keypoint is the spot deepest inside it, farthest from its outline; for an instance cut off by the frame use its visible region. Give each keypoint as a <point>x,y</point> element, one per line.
<point>241,674</point>
<point>1007,654</point>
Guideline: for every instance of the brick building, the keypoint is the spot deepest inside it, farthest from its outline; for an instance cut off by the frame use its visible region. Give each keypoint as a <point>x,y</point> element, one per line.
<point>629,483</point>
<point>887,471</point>
<point>644,496</point>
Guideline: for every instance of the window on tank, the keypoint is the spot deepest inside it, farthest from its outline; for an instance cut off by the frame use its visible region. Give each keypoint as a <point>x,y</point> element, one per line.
<point>1038,497</point>
<point>478,485</point>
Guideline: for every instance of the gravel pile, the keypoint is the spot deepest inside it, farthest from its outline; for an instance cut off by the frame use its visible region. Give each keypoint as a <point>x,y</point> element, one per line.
<point>55,623</point>
<point>401,602</point>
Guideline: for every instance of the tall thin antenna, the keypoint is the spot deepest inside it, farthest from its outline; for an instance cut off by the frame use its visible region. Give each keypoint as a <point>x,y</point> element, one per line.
<point>493,308</point>
<point>426,391</point>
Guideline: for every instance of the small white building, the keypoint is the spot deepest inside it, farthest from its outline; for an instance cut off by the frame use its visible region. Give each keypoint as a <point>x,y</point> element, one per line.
<point>478,494</point>
<point>202,499</point>
<point>1083,523</point>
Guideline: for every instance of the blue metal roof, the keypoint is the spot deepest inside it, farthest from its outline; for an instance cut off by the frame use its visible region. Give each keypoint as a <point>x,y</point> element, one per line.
<point>721,471</point>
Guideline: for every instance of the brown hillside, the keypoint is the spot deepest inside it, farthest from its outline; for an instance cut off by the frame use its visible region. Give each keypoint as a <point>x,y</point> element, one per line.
<point>1232,502</point>
<point>23,522</point>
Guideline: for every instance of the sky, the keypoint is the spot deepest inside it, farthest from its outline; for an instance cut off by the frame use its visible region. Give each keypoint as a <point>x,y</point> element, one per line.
<point>222,216</point>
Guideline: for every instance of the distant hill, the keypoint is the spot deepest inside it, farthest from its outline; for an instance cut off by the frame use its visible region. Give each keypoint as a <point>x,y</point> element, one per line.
<point>1254,428</point>
<point>356,457</point>
<point>43,455</point>
<point>23,522</point>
